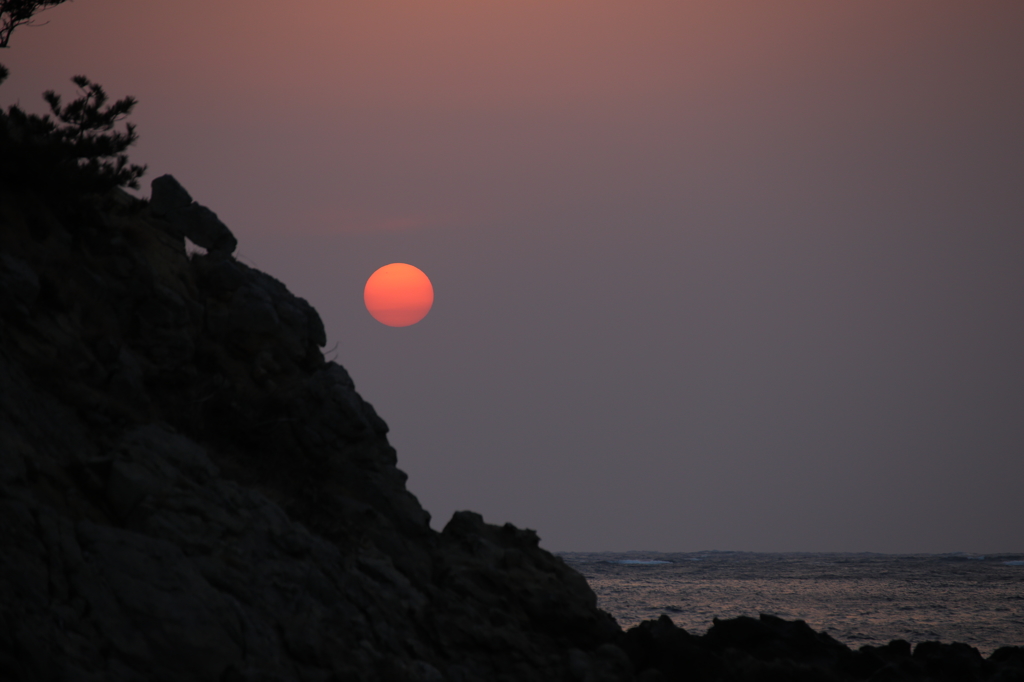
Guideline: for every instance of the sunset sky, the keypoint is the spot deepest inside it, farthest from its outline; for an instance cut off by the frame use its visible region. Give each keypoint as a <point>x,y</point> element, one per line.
<point>734,275</point>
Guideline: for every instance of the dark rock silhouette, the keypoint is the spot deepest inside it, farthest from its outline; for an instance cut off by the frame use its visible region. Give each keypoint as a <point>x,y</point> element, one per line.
<point>188,491</point>
<point>171,202</point>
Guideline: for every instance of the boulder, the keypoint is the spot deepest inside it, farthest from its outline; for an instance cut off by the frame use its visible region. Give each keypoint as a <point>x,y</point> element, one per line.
<point>170,201</point>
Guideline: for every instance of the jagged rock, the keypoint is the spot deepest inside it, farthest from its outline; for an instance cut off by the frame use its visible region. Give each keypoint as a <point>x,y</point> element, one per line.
<point>189,491</point>
<point>167,195</point>
<point>770,638</point>
<point>246,308</point>
<point>954,661</point>
<point>171,202</point>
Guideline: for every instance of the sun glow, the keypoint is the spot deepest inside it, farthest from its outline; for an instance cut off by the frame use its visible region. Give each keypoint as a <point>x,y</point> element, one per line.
<point>398,295</point>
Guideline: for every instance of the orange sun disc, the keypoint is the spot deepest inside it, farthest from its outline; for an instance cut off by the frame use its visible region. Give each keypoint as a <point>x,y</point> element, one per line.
<point>398,295</point>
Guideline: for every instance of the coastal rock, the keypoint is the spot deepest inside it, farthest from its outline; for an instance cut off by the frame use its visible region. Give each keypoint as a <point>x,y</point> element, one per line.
<point>770,648</point>
<point>189,491</point>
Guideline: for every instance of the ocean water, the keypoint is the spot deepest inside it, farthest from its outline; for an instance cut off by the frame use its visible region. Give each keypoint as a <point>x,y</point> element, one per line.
<point>856,598</point>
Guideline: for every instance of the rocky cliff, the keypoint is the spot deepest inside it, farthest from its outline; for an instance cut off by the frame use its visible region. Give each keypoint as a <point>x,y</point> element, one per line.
<point>189,491</point>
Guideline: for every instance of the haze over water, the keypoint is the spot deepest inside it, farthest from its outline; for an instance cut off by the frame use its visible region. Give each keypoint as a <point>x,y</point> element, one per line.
<point>856,598</point>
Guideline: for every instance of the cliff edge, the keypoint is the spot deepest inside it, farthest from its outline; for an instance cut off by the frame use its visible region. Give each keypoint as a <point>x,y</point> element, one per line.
<point>188,491</point>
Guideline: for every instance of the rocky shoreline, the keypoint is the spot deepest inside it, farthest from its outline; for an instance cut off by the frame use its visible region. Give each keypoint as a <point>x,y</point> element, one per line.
<point>189,491</point>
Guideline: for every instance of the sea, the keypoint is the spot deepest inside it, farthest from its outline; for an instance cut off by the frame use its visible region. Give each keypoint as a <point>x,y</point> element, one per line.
<point>856,598</point>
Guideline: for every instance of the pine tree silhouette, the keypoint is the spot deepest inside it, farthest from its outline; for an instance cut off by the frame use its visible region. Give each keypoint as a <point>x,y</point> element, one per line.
<point>14,13</point>
<point>80,150</point>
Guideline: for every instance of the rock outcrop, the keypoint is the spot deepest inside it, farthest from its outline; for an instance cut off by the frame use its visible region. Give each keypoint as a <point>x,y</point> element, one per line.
<point>189,491</point>
<point>172,203</point>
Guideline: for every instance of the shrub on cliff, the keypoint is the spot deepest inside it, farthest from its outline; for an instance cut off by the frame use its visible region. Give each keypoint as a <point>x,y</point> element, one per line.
<point>78,148</point>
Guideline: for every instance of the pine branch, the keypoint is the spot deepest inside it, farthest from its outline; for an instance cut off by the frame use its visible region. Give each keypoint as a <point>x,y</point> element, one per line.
<point>14,13</point>
<point>79,143</point>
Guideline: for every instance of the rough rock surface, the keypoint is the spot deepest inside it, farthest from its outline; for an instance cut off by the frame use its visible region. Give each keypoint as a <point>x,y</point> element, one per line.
<point>188,491</point>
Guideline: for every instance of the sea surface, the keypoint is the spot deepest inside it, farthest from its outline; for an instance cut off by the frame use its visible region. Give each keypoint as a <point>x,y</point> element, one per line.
<point>856,598</point>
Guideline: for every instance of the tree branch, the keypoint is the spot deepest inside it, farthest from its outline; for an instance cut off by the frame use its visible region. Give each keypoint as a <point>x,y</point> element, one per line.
<point>14,13</point>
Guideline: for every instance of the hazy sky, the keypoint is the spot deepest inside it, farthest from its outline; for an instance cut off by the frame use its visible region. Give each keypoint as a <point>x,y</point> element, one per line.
<point>709,275</point>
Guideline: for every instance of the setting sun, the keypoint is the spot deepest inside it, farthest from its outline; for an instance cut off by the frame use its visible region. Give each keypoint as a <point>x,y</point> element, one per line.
<point>398,295</point>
